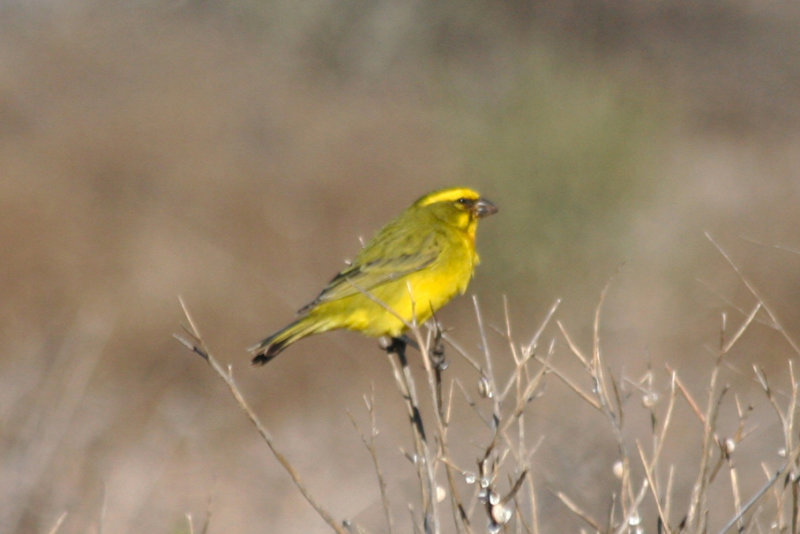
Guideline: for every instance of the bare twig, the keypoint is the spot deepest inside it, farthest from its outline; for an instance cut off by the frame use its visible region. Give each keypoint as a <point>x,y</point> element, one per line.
<point>58,523</point>
<point>422,458</point>
<point>534,342</point>
<point>778,475</point>
<point>577,510</point>
<point>696,517</point>
<point>588,397</point>
<point>632,516</point>
<point>369,443</point>
<point>193,341</point>
<point>750,287</point>
<point>648,471</point>
<point>745,325</point>
<point>434,374</point>
<point>686,395</point>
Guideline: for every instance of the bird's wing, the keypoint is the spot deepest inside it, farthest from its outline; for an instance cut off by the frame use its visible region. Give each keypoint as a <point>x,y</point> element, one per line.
<point>379,263</point>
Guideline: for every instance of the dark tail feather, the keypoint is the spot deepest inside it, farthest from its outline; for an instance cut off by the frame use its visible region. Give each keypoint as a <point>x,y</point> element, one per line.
<point>270,347</point>
<point>269,352</point>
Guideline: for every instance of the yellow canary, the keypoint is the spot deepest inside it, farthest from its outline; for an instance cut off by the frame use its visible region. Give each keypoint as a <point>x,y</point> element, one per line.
<point>413,266</point>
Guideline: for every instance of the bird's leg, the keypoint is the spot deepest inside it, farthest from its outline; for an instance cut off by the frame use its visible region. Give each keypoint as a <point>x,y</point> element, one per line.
<point>439,363</point>
<point>393,344</point>
<point>437,349</point>
<point>397,346</point>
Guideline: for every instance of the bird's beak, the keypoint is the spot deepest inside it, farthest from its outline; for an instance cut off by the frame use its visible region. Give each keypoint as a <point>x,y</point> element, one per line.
<point>483,208</point>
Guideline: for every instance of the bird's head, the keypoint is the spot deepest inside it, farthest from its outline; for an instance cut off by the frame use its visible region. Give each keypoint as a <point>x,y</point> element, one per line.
<point>458,206</point>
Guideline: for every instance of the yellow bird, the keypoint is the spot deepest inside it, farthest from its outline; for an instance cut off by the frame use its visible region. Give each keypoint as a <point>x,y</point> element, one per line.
<point>413,266</point>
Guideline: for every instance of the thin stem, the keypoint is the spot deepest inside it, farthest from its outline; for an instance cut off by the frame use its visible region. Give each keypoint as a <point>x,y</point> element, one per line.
<point>196,345</point>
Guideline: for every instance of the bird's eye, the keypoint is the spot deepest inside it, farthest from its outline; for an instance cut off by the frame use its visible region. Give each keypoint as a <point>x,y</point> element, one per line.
<point>462,200</point>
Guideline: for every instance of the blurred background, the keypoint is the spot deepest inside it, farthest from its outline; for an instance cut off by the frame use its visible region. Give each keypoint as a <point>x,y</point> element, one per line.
<point>233,152</point>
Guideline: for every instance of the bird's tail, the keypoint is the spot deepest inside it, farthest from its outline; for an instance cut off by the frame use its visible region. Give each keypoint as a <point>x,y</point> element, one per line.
<point>271,346</point>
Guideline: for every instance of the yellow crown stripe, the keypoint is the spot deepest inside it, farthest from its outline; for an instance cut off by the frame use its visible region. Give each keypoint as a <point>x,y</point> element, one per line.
<point>446,195</point>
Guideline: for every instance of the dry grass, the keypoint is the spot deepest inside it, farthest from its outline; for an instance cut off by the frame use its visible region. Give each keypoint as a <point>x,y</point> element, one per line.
<point>499,491</point>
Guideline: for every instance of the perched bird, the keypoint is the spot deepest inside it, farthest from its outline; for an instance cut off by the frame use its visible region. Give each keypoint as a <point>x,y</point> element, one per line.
<point>412,267</point>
